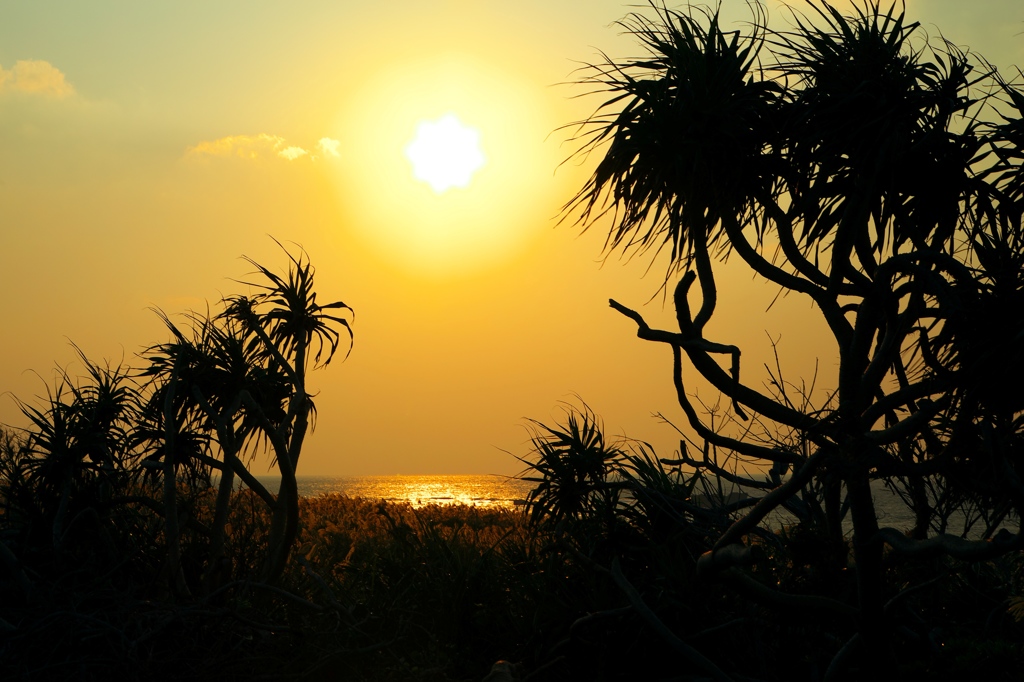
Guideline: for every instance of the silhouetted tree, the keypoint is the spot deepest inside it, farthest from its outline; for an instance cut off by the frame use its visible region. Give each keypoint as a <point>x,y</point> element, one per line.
<point>155,438</point>
<point>77,452</point>
<point>851,161</point>
<point>242,377</point>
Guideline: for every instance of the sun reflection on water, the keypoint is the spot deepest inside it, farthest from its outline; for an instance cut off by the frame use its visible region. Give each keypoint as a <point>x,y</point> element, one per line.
<point>480,491</point>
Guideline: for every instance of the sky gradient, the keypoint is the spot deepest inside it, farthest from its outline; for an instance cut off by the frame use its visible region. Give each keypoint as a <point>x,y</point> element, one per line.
<point>147,146</point>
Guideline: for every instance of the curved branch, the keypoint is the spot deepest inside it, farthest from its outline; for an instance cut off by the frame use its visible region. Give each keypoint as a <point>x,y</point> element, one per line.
<point>744,448</point>
<point>784,230</point>
<point>887,351</point>
<point>762,266</point>
<point>825,299</point>
<point>772,500</point>
<point>280,448</point>
<point>909,426</point>
<point>950,545</point>
<point>719,471</point>
<point>698,352</point>
<point>782,601</point>
<point>242,309</point>
<point>239,468</point>
<point>708,289</point>
<point>906,396</point>
<point>694,331</point>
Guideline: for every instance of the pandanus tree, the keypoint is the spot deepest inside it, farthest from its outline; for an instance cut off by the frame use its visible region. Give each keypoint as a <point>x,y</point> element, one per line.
<point>120,461</point>
<point>78,449</point>
<point>240,376</point>
<point>198,383</point>
<point>851,161</point>
<point>290,332</point>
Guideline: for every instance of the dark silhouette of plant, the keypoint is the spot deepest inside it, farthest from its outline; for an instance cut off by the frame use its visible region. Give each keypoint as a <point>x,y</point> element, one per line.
<point>135,469</point>
<point>572,466</point>
<point>241,379</point>
<point>849,161</point>
<point>195,402</point>
<point>617,500</point>
<point>289,331</point>
<point>77,451</point>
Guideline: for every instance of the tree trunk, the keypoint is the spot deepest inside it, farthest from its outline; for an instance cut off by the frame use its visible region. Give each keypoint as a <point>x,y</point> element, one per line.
<point>837,549</point>
<point>867,552</point>
<point>216,572</point>
<point>284,527</point>
<point>175,578</point>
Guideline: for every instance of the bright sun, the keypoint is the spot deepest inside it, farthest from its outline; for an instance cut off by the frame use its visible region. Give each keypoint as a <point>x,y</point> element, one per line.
<point>445,153</point>
<point>447,167</point>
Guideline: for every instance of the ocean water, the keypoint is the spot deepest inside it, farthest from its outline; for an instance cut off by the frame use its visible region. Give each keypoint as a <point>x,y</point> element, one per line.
<point>473,490</point>
<point>511,493</point>
<point>893,513</point>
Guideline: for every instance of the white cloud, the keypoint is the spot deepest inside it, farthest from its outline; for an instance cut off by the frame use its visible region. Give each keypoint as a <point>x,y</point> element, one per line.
<point>292,153</point>
<point>36,77</point>
<point>261,146</point>
<point>241,146</point>
<point>328,147</point>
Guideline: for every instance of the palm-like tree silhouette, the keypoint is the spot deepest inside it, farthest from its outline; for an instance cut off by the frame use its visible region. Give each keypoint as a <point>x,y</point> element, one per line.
<point>240,376</point>
<point>79,447</point>
<point>197,383</point>
<point>289,331</point>
<point>572,465</point>
<point>846,162</point>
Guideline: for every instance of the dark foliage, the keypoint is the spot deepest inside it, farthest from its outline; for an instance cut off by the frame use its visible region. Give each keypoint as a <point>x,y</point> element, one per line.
<point>848,160</point>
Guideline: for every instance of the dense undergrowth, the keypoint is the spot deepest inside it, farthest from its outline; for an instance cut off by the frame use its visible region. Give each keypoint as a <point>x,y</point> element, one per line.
<point>384,591</point>
<point>596,578</point>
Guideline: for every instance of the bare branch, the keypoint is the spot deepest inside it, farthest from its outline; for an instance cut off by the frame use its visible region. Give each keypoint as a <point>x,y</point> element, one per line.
<point>698,351</point>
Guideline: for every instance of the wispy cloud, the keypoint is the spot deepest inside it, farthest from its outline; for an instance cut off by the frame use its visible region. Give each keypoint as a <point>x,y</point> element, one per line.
<point>261,146</point>
<point>328,147</point>
<point>292,153</point>
<point>242,146</point>
<point>36,77</point>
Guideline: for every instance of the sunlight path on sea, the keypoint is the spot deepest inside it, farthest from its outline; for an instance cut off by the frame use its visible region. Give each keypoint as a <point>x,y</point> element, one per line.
<point>474,490</point>
<point>511,493</point>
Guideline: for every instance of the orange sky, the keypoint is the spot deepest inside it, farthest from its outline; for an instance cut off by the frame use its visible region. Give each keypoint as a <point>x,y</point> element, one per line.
<point>147,147</point>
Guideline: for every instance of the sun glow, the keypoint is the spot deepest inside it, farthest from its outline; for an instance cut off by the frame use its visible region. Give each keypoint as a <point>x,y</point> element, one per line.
<point>445,153</point>
<point>423,223</point>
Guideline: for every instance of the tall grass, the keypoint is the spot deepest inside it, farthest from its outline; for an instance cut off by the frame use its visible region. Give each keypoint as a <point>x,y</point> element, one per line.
<point>387,591</point>
<point>583,584</point>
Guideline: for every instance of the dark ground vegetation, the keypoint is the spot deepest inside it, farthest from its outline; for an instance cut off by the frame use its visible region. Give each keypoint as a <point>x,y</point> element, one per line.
<point>379,591</point>
<point>847,160</point>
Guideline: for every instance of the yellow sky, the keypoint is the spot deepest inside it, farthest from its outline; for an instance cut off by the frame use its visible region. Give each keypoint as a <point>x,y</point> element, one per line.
<point>146,146</point>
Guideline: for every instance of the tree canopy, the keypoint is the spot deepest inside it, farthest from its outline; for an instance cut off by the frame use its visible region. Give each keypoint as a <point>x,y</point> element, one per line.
<point>851,159</point>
